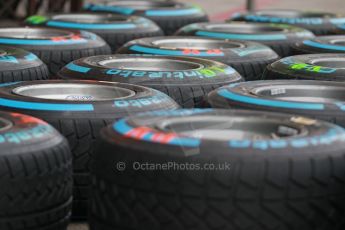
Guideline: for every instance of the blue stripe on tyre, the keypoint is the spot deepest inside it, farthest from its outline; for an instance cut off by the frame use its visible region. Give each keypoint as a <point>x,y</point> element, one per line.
<point>91,26</point>
<point>149,50</point>
<point>263,37</point>
<point>180,12</point>
<point>10,41</point>
<point>114,9</point>
<point>31,57</point>
<point>323,46</point>
<point>45,106</point>
<point>265,102</point>
<point>77,68</point>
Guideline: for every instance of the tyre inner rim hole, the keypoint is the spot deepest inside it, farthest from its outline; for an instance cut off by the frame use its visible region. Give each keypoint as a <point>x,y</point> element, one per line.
<point>144,5</point>
<point>150,64</point>
<point>330,62</point>
<point>293,14</point>
<point>231,128</point>
<point>33,33</point>
<point>302,93</point>
<point>90,18</point>
<point>5,124</point>
<point>200,44</point>
<point>74,92</point>
<point>245,28</point>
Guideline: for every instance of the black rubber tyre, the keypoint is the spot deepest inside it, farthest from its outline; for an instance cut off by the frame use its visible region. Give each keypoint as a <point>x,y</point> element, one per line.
<point>322,44</point>
<point>35,175</point>
<point>324,67</point>
<point>248,58</point>
<point>320,23</point>
<point>217,169</point>
<point>186,80</point>
<point>81,110</point>
<point>20,65</point>
<point>169,15</point>
<point>116,30</point>
<point>322,100</point>
<point>55,47</point>
<point>278,37</point>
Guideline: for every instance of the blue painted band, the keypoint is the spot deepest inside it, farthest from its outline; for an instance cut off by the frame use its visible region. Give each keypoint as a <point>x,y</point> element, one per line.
<point>323,46</point>
<point>10,41</point>
<point>261,37</point>
<point>31,57</point>
<point>45,106</point>
<point>77,68</point>
<point>337,20</point>
<point>180,12</point>
<point>91,26</point>
<point>114,9</point>
<point>265,102</point>
<point>149,50</point>
<point>9,83</point>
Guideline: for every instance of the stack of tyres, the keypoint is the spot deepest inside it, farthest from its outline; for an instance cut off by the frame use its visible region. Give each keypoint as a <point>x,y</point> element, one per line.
<point>169,15</point>
<point>231,170</point>
<point>116,30</point>
<point>55,47</point>
<point>79,109</point>
<point>187,80</point>
<point>320,23</point>
<point>20,65</point>
<point>279,37</point>
<point>248,58</point>
<point>35,175</point>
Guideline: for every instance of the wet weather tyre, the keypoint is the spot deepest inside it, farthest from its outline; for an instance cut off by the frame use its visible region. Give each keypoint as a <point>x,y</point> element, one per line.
<point>187,80</point>
<point>317,99</point>
<point>170,16</point>
<point>322,44</point>
<point>249,59</point>
<point>323,67</point>
<point>20,65</point>
<point>55,47</point>
<point>279,37</point>
<point>256,182</point>
<point>320,23</point>
<point>116,30</point>
<point>35,175</point>
<point>79,109</point>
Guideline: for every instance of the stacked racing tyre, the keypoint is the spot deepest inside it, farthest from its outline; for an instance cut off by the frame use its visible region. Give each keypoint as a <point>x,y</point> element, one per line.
<point>217,169</point>
<point>277,36</point>
<point>324,67</point>
<point>322,44</point>
<point>55,47</point>
<point>20,65</point>
<point>186,80</point>
<point>116,30</point>
<point>320,23</point>
<point>169,15</point>
<point>79,109</point>
<point>324,100</point>
<point>35,175</point>
<point>248,58</point>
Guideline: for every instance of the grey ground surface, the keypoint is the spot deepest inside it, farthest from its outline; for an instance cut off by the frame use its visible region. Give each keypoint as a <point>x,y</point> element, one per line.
<point>220,8</point>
